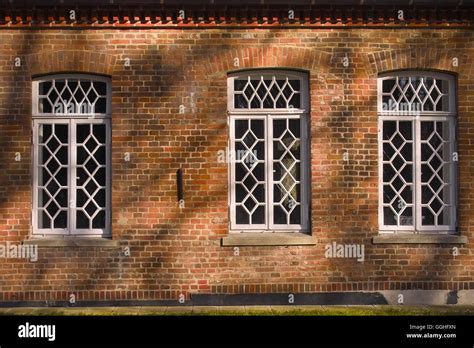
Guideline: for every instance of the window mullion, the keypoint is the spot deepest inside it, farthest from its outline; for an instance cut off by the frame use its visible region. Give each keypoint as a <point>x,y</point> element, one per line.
<point>380,170</point>
<point>108,175</point>
<point>231,155</point>
<point>305,164</point>
<point>454,192</point>
<point>72,172</point>
<point>417,169</point>
<point>35,210</point>
<point>269,169</point>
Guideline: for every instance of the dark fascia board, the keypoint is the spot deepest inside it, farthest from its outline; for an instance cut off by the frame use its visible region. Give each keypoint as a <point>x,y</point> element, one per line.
<point>237,3</point>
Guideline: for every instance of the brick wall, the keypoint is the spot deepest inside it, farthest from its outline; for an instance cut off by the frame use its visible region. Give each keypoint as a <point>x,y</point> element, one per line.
<point>177,251</point>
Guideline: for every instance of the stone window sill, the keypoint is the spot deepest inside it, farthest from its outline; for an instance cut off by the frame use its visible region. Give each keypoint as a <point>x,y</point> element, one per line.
<point>72,242</point>
<point>267,239</point>
<point>405,238</point>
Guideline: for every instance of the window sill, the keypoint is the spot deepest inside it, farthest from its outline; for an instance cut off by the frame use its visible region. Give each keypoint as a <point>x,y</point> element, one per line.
<point>267,239</point>
<point>405,238</point>
<point>72,242</point>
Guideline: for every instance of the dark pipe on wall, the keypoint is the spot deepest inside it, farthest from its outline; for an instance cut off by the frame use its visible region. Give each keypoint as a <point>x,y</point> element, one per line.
<point>179,184</point>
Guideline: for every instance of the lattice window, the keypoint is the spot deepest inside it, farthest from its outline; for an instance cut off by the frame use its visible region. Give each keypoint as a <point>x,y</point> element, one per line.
<point>417,153</point>
<point>286,171</point>
<point>267,93</point>
<point>71,158</point>
<point>415,94</point>
<point>250,186</point>
<point>398,167</point>
<point>268,90</point>
<point>91,184</point>
<point>269,173</point>
<point>53,163</point>
<point>71,95</point>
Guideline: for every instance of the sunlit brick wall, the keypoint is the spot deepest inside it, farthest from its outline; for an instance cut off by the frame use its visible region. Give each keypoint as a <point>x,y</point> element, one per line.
<point>169,101</point>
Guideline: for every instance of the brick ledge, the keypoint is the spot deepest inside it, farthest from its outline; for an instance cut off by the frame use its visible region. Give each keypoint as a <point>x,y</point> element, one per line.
<point>398,238</point>
<point>72,242</point>
<point>267,239</point>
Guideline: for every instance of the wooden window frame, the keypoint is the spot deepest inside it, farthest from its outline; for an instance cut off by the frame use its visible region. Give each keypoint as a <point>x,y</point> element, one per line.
<point>450,116</point>
<point>72,120</point>
<point>301,113</point>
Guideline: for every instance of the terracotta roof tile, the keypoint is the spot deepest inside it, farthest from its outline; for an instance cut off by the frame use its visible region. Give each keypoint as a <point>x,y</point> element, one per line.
<point>243,13</point>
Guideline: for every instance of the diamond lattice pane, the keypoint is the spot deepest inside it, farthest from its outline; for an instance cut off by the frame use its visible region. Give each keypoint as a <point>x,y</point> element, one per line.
<point>72,96</point>
<point>53,161</point>
<point>267,93</point>
<point>249,166</point>
<point>91,176</point>
<point>286,171</point>
<point>411,94</point>
<point>398,192</point>
<point>435,175</point>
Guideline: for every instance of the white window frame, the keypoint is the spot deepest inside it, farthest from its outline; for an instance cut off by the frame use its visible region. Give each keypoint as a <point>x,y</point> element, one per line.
<point>268,115</point>
<point>72,120</point>
<point>449,116</point>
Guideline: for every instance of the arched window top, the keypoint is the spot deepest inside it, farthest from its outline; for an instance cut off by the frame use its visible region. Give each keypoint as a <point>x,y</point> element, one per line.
<point>416,92</point>
<point>72,95</point>
<point>264,90</point>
